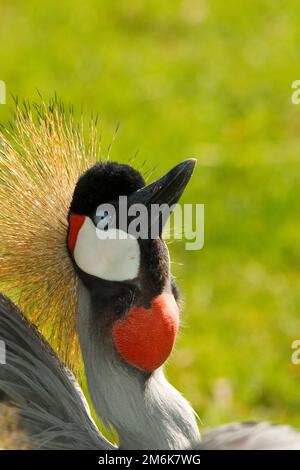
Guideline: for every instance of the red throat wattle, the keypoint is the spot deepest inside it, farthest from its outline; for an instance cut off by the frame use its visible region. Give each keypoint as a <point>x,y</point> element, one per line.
<point>145,338</point>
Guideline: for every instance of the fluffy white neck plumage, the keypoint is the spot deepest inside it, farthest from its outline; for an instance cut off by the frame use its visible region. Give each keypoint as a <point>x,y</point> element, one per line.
<point>148,413</point>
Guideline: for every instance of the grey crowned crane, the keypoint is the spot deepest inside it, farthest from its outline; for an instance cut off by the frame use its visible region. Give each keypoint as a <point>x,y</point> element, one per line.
<point>113,293</point>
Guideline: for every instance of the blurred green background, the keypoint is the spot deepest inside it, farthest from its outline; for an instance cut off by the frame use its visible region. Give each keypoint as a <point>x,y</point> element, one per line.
<point>209,79</point>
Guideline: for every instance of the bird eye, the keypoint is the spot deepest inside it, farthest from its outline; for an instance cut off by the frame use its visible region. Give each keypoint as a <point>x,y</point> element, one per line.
<point>103,218</point>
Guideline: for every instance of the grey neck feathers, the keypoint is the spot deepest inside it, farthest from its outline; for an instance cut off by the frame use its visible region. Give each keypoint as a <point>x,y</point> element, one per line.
<point>147,412</point>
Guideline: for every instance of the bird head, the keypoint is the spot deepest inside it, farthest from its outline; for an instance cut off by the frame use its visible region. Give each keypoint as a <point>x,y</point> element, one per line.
<point>55,231</point>
<point>116,246</point>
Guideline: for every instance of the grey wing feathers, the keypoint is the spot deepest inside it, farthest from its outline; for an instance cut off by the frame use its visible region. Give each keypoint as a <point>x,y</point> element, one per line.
<point>251,436</point>
<point>51,407</point>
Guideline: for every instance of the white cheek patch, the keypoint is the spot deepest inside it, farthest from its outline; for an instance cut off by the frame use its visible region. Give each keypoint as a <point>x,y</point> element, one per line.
<point>110,254</point>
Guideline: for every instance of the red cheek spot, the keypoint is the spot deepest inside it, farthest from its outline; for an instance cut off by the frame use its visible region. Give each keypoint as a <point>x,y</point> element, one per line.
<point>145,338</point>
<point>75,223</point>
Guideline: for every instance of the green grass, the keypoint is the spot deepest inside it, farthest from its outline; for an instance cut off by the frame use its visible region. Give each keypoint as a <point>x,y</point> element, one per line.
<point>210,79</point>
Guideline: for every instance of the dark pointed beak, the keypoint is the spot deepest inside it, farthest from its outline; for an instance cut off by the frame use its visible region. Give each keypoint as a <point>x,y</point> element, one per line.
<point>167,190</point>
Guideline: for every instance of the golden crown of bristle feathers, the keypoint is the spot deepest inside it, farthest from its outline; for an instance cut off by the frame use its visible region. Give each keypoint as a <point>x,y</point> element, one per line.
<point>41,159</point>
